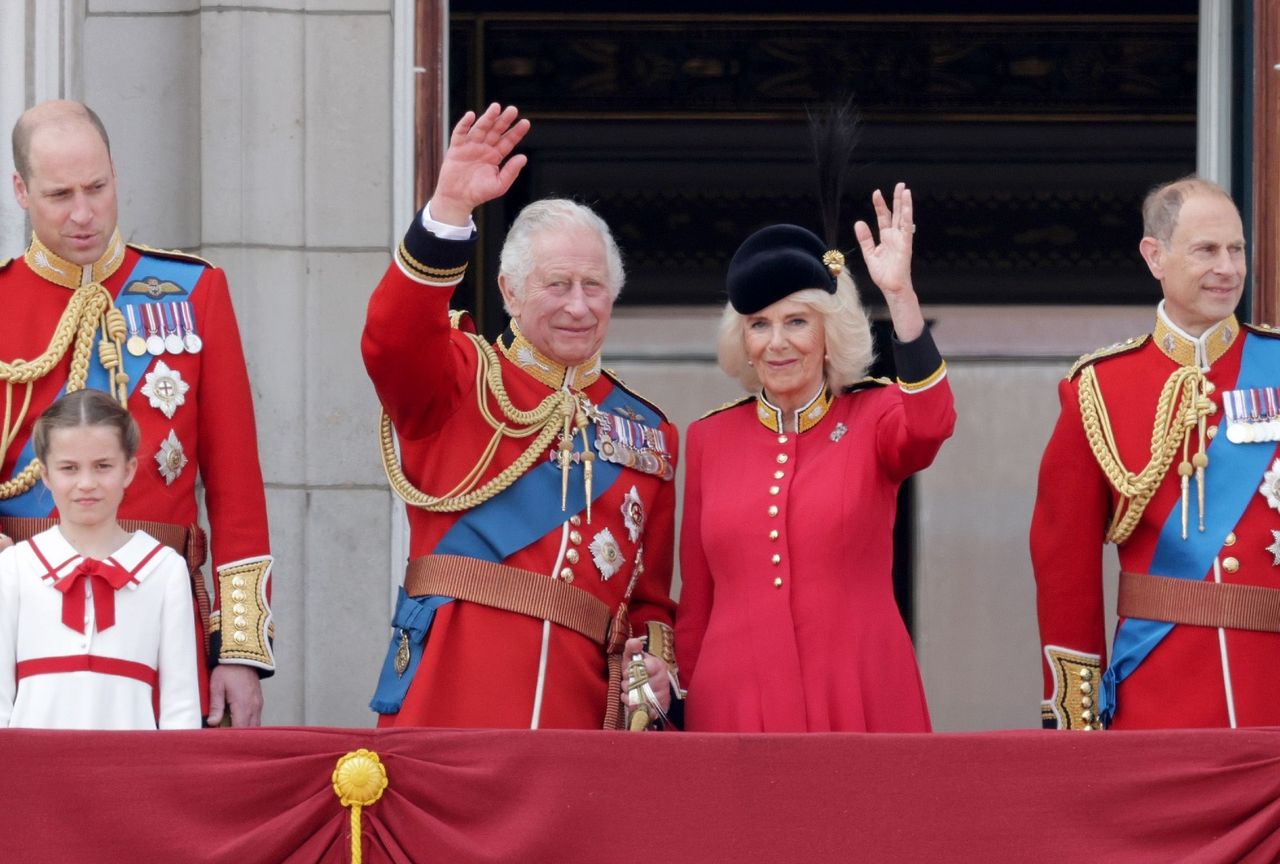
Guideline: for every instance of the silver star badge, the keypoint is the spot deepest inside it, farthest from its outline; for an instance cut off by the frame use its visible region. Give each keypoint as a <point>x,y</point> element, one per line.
<point>606,554</point>
<point>1270,487</point>
<point>165,389</point>
<point>1274,548</point>
<point>633,514</point>
<point>171,458</point>
<point>838,432</point>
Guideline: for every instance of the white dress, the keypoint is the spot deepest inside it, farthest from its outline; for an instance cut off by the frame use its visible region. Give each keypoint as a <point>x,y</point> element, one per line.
<point>96,679</point>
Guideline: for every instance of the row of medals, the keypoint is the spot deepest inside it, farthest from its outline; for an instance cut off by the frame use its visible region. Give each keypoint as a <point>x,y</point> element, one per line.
<point>164,338</point>
<point>1253,414</point>
<point>649,456</point>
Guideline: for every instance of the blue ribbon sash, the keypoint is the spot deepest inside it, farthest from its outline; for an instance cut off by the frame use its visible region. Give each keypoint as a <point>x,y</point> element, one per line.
<point>36,502</point>
<point>1231,481</point>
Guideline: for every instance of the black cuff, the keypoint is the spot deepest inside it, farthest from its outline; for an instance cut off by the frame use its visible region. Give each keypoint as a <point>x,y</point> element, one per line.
<point>428,255</point>
<point>918,360</point>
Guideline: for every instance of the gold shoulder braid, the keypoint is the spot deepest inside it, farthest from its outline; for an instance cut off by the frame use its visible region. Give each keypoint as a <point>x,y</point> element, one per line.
<point>90,306</point>
<point>1182,406</point>
<point>558,412</point>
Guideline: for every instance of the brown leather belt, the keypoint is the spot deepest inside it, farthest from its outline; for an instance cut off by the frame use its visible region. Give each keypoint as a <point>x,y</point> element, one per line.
<point>513,589</point>
<point>510,589</point>
<point>1204,604</point>
<point>187,540</point>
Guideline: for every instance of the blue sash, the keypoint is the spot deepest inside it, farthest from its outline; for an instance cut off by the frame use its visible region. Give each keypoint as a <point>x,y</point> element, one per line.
<point>524,513</point>
<point>1231,481</point>
<point>36,502</point>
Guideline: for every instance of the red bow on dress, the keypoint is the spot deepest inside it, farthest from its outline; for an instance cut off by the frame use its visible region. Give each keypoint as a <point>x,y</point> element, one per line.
<point>107,578</point>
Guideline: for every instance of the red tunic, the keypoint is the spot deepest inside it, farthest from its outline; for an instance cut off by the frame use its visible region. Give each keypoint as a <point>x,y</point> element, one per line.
<point>480,666</point>
<point>214,426</point>
<point>799,631</point>
<point>1181,683</point>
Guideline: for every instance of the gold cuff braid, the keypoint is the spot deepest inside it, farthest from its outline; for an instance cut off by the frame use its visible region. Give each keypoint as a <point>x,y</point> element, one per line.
<point>1076,679</point>
<point>662,643</point>
<point>242,589</point>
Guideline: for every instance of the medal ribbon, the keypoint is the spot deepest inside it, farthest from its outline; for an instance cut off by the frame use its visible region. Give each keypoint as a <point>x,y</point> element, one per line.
<point>35,502</point>
<point>1225,487</point>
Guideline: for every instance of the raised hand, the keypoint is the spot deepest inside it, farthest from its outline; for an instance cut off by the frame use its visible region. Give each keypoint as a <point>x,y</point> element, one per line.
<point>889,261</point>
<point>478,166</point>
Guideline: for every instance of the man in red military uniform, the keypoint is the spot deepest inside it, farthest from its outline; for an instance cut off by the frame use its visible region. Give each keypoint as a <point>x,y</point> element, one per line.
<point>155,329</point>
<point>540,488</point>
<point>1166,446</point>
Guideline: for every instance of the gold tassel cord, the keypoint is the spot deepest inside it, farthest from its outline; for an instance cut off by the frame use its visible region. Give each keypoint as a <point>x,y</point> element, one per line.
<point>1179,408</point>
<point>550,417</point>
<point>76,329</point>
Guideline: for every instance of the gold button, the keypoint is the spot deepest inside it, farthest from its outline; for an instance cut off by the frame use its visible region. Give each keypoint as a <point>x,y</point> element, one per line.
<point>1087,716</point>
<point>773,535</point>
<point>1086,701</point>
<point>1209,388</point>
<point>773,509</point>
<point>1231,565</point>
<point>1086,687</point>
<point>774,490</point>
<point>237,581</point>
<point>782,439</point>
<point>567,574</point>
<point>241,637</point>
<point>571,556</point>
<point>1212,432</point>
<point>1231,539</point>
<point>782,458</point>
<point>575,537</point>
<point>238,595</point>
<point>777,583</point>
<point>776,559</point>
<point>778,475</point>
<point>238,609</point>
<point>240,622</point>
<point>1088,728</point>
<point>575,520</point>
<point>1086,673</point>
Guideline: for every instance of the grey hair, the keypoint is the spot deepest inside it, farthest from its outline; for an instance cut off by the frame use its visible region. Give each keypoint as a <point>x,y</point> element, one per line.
<point>1162,205</point>
<point>845,327</point>
<point>550,214</point>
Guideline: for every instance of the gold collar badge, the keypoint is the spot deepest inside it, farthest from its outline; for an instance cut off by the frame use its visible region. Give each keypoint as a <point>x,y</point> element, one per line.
<point>555,375</point>
<point>773,418</point>
<point>42,261</point>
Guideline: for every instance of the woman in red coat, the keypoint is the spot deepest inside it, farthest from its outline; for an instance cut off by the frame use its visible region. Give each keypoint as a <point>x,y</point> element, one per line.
<point>787,619</point>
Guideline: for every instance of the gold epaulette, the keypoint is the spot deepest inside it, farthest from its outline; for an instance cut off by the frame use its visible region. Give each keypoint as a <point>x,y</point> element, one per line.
<point>864,383</point>
<point>1260,329</point>
<point>726,406</point>
<point>172,254</point>
<point>1131,344</point>
<point>460,319</point>
<point>616,379</point>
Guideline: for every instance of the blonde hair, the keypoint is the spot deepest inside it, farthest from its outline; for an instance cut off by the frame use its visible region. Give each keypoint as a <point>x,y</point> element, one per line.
<point>845,327</point>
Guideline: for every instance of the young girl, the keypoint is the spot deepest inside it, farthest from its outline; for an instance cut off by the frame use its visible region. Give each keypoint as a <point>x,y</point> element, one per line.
<point>95,622</point>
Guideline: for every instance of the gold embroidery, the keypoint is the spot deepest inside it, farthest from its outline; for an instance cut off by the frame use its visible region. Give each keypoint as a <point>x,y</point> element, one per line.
<point>244,617</point>
<point>555,375</point>
<point>772,417</point>
<point>1076,680</point>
